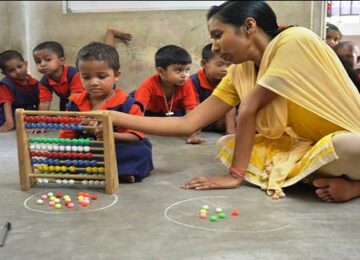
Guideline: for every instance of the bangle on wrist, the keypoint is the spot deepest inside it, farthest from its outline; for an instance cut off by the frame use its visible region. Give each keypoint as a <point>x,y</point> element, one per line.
<point>237,172</point>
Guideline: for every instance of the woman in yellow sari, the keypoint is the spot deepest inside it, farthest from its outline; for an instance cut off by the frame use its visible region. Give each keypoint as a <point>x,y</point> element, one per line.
<point>299,111</point>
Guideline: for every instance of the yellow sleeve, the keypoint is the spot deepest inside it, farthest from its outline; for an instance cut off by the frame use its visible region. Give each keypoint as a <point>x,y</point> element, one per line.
<point>226,91</point>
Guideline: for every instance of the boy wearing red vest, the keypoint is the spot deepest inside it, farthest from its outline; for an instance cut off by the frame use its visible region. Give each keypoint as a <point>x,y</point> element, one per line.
<point>213,69</point>
<point>99,66</point>
<point>169,92</point>
<point>59,78</point>
<point>17,90</point>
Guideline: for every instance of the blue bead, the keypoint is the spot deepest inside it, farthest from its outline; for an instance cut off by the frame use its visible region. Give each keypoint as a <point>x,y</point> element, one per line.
<point>27,125</point>
<point>81,163</point>
<point>62,126</point>
<point>80,127</point>
<point>57,162</point>
<point>56,126</point>
<point>75,162</point>
<point>46,161</point>
<point>51,161</point>
<point>93,163</point>
<point>67,162</point>
<point>34,161</point>
<point>50,125</point>
<point>67,126</point>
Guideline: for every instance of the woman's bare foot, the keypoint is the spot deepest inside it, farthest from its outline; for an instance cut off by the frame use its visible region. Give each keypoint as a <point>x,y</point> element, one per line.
<point>337,189</point>
<point>213,182</point>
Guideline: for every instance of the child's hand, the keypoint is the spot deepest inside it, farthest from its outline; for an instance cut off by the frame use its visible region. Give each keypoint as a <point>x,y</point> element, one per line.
<point>95,127</point>
<point>195,139</point>
<point>125,37</point>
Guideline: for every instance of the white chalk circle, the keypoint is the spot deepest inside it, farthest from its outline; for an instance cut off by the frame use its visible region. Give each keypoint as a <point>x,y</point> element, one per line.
<point>254,217</point>
<point>102,202</point>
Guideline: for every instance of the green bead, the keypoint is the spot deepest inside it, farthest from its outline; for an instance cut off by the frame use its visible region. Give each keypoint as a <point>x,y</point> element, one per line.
<point>68,141</point>
<point>87,141</point>
<point>222,215</point>
<point>82,141</point>
<point>76,141</point>
<point>62,141</point>
<point>31,140</point>
<point>213,218</point>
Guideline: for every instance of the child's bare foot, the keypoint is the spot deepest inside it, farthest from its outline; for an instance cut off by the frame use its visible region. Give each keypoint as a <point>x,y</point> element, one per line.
<point>112,32</point>
<point>127,178</point>
<point>337,189</point>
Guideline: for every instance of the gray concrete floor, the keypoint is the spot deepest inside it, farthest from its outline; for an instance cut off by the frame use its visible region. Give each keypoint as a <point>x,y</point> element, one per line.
<point>155,219</point>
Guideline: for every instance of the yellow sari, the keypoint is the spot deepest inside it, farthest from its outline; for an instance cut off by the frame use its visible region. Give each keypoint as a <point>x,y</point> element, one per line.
<point>316,100</point>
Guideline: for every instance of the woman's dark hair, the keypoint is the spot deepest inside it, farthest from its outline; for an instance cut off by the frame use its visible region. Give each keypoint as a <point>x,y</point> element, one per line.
<point>235,13</point>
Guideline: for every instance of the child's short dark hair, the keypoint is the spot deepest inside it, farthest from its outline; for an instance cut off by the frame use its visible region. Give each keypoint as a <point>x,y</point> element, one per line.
<point>171,54</point>
<point>9,55</point>
<point>100,52</point>
<point>52,46</point>
<point>330,26</point>
<point>206,53</point>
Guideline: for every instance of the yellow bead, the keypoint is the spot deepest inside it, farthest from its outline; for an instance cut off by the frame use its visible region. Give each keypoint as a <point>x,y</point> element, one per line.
<point>63,168</point>
<point>94,169</point>
<point>72,168</point>
<point>101,169</point>
<point>88,169</point>
<point>57,168</point>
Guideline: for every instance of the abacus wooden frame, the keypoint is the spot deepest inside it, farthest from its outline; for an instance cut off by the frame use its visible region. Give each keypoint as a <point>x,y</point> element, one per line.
<point>27,176</point>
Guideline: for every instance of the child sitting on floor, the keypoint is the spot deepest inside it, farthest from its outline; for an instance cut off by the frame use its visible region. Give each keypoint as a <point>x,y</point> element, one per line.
<point>59,78</point>
<point>213,69</point>
<point>99,66</point>
<point>17,90</point>
<point>169,92</point>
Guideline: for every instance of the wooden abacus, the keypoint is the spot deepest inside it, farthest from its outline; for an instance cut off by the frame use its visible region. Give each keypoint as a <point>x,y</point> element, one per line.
<point>45,158</point>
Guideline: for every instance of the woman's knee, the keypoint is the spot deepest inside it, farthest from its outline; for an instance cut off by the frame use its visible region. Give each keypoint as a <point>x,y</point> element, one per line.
<point>347,144</point>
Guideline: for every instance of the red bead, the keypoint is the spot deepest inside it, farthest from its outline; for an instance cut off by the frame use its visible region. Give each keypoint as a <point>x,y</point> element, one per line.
<point>26,118</point>
<point>235,212</point>
<point>89,155</point>
<point>84,203</point>
<point>33,153</point>
<point>86,194</point>
<point>59,195</point>
<point>66,120</point>
<point>81,155</point>
<point>94,197</point>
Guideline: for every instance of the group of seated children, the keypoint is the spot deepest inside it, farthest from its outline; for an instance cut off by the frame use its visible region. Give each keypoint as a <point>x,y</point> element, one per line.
<point>18,89</point>
<point>92,86</point>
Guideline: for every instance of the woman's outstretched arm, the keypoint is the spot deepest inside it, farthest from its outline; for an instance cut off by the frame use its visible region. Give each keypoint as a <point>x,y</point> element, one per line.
<point>209,111</point>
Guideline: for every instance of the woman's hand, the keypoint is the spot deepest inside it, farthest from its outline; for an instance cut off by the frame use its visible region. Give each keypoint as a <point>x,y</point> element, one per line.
<point>213,182</point>
<point>195,139</point>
